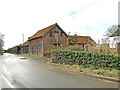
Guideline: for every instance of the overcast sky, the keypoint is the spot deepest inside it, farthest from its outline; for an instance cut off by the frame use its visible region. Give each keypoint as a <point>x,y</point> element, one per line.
<point>84,17</point>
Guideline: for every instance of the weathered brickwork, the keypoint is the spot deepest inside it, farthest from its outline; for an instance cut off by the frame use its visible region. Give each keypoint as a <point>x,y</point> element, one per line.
<point>52,38</point>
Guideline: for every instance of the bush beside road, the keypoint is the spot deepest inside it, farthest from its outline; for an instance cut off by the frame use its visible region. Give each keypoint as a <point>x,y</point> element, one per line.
<point>91,63</point>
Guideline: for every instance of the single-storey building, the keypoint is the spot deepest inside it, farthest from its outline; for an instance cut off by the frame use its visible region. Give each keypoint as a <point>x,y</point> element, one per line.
<point>15,49</point>
<point>24,48</point>
<point>80,41</point>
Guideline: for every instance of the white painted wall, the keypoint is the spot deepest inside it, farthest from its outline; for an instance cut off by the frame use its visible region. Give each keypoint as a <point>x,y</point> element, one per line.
<point>113,41</point>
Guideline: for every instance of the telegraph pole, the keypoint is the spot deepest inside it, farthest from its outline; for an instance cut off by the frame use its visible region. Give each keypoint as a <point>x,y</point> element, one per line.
<point>23,37</point>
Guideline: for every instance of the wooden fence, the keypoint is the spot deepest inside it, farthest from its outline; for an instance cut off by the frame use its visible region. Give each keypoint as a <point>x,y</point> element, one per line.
<point>104,48</point>
<point>100,48</point>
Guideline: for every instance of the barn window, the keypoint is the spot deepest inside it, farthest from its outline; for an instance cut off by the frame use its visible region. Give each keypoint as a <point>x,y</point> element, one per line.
<point>50,34</point>
<point>56,32</point>
<point>61,34</point>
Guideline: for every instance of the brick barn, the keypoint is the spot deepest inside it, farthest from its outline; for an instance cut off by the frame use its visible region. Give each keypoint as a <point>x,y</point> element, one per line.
<point>49,38</point>
<point>42,42</point>
<point>24,48</point>
<point>81,41</point>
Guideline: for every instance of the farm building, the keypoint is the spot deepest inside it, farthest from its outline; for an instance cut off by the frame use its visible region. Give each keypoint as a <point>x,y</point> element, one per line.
<point>15,49</point>
<point>81,41</point>
<point>24,48</point>
<point>46,39</point>
<point>49,38</point>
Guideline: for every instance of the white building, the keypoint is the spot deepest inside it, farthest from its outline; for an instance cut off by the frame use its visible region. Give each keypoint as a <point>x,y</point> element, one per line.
<point>115,38</point>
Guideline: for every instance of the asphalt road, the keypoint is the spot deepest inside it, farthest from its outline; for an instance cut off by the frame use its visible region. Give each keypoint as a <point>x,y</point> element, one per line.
<point>5,84</point>
<point>19,72</point>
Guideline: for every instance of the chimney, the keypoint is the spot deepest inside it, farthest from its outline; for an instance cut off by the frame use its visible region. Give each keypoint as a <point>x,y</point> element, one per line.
<point>75,33</point>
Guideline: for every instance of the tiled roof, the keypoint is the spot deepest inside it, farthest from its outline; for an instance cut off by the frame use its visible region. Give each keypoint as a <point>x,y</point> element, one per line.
<point>42,32</point>
<point>25,44</point>
<point>80,39</point>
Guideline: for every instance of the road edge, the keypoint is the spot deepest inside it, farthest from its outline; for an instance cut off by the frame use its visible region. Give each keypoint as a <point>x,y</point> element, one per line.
<point>7,81</point>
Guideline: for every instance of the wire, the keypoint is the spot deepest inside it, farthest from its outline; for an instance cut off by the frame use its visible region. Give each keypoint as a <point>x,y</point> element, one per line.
<point>78,11</point>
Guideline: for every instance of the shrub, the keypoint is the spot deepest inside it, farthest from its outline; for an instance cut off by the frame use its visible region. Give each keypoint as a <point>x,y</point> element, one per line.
<point>87,59</point>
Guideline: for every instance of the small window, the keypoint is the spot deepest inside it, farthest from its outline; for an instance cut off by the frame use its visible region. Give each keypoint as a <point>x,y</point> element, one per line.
<point>61,34</point>
<point>56,32</point>
<point>50,34</point>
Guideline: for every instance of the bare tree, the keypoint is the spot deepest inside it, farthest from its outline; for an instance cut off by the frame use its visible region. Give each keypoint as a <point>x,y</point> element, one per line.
<point>111,30</point>
<point>1,42</point>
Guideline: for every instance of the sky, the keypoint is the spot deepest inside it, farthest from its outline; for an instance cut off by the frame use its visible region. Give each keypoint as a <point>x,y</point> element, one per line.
<point>84,17</point>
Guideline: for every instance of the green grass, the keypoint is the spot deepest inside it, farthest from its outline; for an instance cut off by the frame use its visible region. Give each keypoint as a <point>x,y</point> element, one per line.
<point>109,73</point>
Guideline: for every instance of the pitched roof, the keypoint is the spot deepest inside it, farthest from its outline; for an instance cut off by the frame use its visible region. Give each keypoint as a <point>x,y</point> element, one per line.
<point>25,44</point>
<point>80,39</point>
<point>116,33</point>
<point>43,31</point>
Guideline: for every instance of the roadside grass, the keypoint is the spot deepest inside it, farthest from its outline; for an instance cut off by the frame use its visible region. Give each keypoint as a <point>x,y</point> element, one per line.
<point>109,73</point>
<point>47,56</point>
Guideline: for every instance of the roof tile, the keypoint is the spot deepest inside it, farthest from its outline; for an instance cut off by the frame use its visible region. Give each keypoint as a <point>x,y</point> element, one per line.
<point>41,32</point>
<point>80,39</point>
<point>25,44</point>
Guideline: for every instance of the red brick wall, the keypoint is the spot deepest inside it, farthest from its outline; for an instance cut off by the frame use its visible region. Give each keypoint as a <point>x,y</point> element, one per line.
<point>35,41</point>
<point>48,39</point>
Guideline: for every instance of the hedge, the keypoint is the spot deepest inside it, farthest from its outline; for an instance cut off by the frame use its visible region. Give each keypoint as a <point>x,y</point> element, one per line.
<point>87,59</point>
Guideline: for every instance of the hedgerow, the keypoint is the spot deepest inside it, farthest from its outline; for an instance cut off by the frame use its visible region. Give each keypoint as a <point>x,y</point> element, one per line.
<point>86,59</point>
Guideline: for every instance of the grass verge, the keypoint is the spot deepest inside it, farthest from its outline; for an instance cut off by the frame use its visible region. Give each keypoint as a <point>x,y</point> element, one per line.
<point>108,73</point>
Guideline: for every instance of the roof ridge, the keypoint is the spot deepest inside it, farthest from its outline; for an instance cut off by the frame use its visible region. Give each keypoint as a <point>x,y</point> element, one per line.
<point>44,28</point>
<point>79,36</point>
<point>48,26</point>
<point>80,39</point>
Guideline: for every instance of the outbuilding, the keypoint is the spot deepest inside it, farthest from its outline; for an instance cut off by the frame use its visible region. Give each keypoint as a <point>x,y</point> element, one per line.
<point>42,42</point>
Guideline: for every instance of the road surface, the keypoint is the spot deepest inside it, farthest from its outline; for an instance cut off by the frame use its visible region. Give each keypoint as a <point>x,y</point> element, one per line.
<point>19,72</point>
